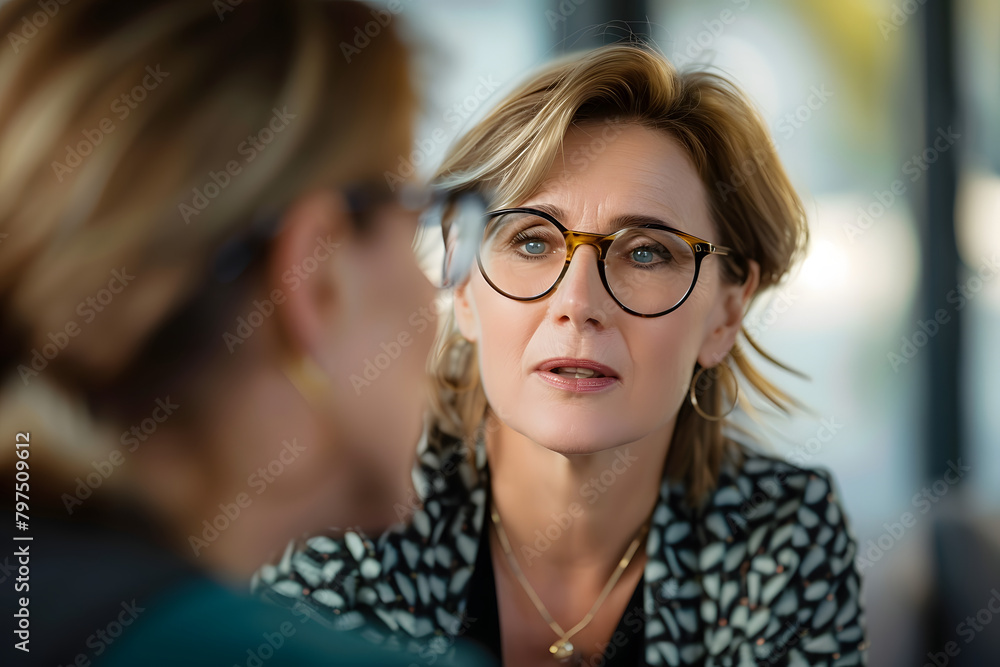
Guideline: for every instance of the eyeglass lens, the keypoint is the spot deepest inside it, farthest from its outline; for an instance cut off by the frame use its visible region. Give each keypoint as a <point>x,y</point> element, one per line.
<point>647,270</point>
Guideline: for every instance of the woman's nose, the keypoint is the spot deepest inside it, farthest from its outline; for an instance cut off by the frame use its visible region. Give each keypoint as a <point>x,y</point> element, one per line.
<point>580,297</point>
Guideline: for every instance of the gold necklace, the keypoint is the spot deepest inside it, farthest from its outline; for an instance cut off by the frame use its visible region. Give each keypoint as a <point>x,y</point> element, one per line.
<point>563,648</point>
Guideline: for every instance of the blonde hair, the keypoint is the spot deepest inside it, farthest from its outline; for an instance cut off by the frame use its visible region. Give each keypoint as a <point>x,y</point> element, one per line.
<point>138,137</point>
<point>752,204</point>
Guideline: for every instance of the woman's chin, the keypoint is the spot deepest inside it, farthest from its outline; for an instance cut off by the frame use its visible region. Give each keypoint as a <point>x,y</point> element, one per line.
<point>577,449</point>
<point>577,441</point>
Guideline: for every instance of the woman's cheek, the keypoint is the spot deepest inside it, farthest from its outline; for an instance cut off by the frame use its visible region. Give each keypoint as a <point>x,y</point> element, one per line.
<point>658,353</point>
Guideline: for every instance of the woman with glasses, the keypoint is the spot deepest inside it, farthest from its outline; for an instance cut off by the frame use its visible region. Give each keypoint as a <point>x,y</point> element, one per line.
<point>580,498</point>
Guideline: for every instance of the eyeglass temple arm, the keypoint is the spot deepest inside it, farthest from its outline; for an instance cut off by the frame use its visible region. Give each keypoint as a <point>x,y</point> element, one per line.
<point>709,248</point>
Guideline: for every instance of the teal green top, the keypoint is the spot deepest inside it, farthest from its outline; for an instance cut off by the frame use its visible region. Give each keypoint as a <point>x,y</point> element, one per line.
<point>203,623</point>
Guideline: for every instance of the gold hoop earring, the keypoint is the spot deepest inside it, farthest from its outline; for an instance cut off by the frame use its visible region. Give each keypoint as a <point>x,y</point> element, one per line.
<point>692,394</point>
<point>308,378</point>
<point>456,345</point>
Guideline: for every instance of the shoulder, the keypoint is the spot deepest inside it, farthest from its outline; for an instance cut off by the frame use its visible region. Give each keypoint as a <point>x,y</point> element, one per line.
<point>219,626</point>
<point>757,489</point>
<point>788,519</point>
<point>778,531</point>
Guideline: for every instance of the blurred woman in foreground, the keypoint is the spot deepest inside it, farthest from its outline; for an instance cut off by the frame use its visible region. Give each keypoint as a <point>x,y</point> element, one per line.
<point>197,252</point>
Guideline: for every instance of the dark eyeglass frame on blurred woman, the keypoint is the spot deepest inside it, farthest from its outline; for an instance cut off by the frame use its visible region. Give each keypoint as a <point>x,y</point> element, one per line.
<point>239,251</point>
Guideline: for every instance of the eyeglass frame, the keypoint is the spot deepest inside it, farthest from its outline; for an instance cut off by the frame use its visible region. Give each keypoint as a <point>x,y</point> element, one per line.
<point>602,242</point>
<point>244,247</point>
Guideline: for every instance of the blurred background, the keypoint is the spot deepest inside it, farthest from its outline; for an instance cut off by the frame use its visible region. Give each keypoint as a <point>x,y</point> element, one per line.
<point>886,114</point>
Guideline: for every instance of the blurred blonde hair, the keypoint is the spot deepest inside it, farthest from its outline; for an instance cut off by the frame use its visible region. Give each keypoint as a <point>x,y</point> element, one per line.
<point>157,99</point>
<point>752,203</point>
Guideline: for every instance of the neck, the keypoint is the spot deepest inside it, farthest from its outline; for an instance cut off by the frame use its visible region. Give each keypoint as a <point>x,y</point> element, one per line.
<point>250,485</point>
<point>574,512</point>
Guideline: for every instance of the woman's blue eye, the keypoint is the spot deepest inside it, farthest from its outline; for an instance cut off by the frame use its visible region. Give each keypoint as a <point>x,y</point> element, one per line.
<point>534,247</point>
<point>643,256</point>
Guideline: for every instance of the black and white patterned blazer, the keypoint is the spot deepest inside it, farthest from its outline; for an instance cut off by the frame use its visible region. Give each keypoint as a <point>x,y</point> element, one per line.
<point>763,573</point>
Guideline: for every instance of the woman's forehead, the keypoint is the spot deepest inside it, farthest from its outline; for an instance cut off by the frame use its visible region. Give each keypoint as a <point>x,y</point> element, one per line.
<point>632,170</point>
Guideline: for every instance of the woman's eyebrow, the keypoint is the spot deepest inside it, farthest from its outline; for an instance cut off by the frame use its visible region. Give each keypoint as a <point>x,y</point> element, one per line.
<point>551,209</point>
<point>618,222</point>
<point>637,220</point>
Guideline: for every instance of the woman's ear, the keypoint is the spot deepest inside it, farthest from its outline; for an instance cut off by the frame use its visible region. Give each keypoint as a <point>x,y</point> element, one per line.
<point>466,316</point>
<point>302,269</point>
<point>726,317</point>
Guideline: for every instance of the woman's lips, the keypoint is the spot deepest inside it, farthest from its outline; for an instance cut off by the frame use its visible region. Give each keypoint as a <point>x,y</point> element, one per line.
<point>577,375</point>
